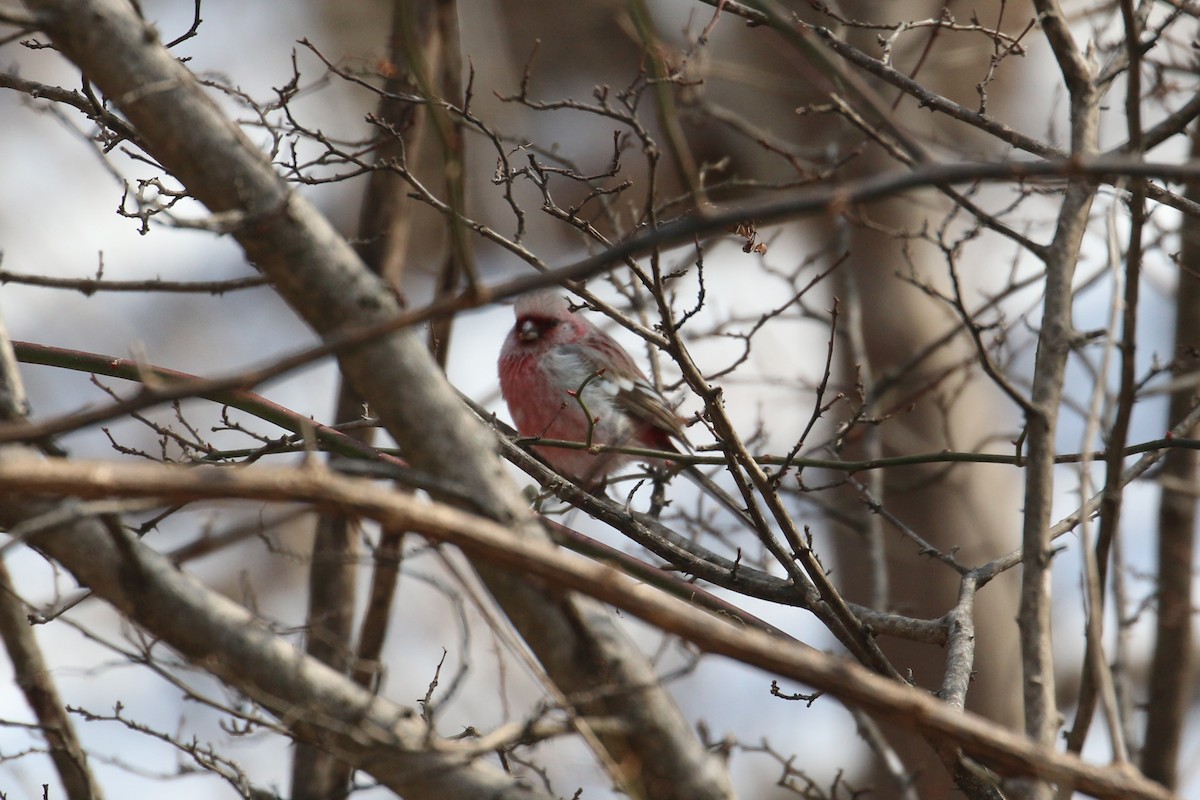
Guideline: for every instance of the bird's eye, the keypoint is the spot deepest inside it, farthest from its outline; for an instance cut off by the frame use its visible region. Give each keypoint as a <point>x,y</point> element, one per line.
<point>527,329</point>
<point>530,329</point>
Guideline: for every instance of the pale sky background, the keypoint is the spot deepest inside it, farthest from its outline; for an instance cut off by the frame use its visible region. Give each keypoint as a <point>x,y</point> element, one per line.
<point>56,201</point>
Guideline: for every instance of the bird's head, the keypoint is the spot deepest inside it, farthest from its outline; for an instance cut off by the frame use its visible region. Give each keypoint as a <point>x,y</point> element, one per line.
<point>543,316</point>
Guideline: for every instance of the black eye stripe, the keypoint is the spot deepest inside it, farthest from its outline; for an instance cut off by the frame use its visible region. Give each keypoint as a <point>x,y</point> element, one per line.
<point>536,325</point>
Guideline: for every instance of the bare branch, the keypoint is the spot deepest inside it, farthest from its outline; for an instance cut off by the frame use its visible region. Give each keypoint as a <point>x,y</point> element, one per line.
<point>97,558</point>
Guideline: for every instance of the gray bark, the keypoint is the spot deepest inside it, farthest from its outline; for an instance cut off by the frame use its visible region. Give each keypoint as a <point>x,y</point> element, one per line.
<point>577,641</point>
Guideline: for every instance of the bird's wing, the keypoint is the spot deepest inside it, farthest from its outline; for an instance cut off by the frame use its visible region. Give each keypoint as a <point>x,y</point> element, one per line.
<point>630,389</point>
<point>643,402</point>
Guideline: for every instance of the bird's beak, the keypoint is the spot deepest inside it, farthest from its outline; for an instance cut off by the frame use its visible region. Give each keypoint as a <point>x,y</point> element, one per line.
<point>527,330</point>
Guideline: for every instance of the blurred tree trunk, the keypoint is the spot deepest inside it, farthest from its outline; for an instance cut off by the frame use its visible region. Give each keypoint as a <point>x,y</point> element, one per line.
<point>971,512</point>
<point>963,511</point>
<point>383,242</point>
<point>1171,672</point>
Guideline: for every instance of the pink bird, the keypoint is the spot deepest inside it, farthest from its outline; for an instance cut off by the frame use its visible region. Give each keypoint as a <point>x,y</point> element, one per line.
<point>564,378</point>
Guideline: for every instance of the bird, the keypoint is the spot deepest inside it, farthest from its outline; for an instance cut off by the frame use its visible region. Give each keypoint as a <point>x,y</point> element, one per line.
<point>564,378</point>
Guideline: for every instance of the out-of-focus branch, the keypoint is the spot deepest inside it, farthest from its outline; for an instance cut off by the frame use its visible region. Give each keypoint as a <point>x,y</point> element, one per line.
<point>33,677</point>
<point>161,382</point>
<point>323,280</point>
<point>390,742</point>
<point>440,75</point>
<point>329,624</point>
<point>89,286</point>
<point>160,583</point>
<point>383,236</point>
<point>177,385</point>
<point>29,668</point>
<point>1172,669</point>
<point>1097,677</point>
<point>662,85</point>
<point>805,203</point>
<point>1097,680</point>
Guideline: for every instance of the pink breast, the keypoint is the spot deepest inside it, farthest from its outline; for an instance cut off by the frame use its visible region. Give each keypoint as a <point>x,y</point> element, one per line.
<point>550,413</point>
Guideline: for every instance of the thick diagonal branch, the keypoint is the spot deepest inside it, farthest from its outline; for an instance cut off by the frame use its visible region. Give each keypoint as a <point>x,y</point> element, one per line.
<point>323,280</point>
